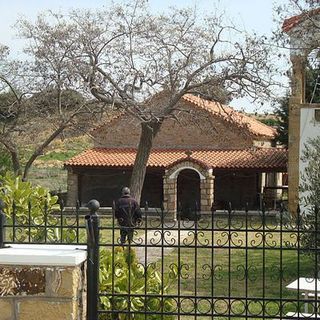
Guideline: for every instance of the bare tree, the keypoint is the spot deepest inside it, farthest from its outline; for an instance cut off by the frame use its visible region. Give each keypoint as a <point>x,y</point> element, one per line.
<point>127,56</point>
<point>41,90</point>
<point>12,97</point>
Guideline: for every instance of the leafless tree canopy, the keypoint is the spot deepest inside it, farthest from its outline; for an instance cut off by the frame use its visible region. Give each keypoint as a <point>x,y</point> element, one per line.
<point>128,55</point>
<point>41,93</point>
<point>125,55</point>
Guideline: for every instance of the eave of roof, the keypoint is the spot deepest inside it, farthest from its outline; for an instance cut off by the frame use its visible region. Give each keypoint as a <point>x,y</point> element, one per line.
<point>257,158</point>
<point>290,23</point>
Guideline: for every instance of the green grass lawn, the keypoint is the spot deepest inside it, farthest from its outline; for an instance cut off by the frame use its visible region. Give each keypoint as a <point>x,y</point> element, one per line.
<point>231,268</point>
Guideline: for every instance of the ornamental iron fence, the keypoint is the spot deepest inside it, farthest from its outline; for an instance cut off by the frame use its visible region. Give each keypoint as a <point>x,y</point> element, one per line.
<point>221,266</point>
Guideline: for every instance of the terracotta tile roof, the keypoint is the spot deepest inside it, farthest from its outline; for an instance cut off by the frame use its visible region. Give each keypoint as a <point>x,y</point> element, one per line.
<point>263,158</point>
<point>227,113</point>
<point>291,22</point>
<point>111,118</point>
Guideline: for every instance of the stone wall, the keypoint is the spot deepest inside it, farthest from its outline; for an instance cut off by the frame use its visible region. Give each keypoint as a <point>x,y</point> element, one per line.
<point>37,293</point>
<point>207,193</point>
<point>196,128</point>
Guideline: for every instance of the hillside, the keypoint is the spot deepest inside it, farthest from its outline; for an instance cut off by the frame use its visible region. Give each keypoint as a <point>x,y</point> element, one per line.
<point>48,169</point>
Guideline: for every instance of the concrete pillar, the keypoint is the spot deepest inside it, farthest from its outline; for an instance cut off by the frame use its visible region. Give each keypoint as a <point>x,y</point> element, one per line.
<point>298,97</point>
<point>279,183</point>
<point>52,287</point>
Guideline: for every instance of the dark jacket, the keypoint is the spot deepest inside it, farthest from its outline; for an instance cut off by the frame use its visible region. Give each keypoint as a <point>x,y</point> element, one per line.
<point>127,211</point>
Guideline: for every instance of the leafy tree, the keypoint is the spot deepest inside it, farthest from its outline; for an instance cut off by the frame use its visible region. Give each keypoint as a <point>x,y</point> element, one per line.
<point>45,102</point>
<point>5,161</point>
<point>282,114</point>
<point>272,122</point>
<point>32,205</point>
<point>312,84</point>
<point>7,100</point>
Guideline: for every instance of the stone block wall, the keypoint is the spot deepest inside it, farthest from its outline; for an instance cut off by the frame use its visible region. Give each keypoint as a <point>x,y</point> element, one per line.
<point>170,196</point>
<point>207,192</point>
<point>196,128</point>
<point>37,293</point>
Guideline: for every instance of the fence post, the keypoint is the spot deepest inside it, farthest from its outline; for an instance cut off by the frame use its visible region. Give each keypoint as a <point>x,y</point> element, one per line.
<point>162,212</point>
<point>213,209</point>
<point>92,226</point>
<point>2,225</point>
<point>246,208</point>
<point>229,209</point>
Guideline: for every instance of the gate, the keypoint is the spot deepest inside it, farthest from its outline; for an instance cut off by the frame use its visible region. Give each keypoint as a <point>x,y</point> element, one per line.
<point>256,265</point>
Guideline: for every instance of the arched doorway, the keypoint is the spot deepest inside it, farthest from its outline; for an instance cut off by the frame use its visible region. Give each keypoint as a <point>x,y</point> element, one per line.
<point>188,193</point>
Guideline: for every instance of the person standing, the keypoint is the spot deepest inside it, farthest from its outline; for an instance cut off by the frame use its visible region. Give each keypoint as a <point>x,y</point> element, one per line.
<point>128,215</point>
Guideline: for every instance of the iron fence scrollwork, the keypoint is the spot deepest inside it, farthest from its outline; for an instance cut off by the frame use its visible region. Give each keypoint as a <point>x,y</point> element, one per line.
<point>224,264</point>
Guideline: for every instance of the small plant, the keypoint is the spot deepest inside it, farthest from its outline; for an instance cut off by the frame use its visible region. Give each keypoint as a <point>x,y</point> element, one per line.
<point>129,282</point>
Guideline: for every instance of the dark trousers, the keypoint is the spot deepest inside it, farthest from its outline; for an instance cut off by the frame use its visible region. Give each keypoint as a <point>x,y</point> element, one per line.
<point>126,233</point>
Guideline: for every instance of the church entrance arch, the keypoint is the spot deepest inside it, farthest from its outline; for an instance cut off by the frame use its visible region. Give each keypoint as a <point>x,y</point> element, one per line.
<point>187,184</point>
<point>188,193</point>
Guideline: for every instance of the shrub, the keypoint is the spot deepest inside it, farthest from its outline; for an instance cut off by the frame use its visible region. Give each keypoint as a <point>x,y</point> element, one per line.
<point>28,205</point>
<point>310,200</point>
<point>117,271</point>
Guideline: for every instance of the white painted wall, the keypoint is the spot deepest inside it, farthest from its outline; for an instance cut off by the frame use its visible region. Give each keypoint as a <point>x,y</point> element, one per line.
<point>309,129</point>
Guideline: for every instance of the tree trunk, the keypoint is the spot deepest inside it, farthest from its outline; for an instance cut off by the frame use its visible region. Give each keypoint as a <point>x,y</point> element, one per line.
<point>148,133</point>
<point>15,163</point>
<point>40,150</point>
<point>12,149</point>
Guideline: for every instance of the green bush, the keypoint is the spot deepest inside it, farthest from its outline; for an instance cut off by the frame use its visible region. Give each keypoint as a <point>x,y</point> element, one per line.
<point>310,200</point>
<point>33,208</point>
<point>116,270</point>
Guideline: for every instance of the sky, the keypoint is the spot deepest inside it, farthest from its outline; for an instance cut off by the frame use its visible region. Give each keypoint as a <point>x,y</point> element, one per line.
<point>251,15</point>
